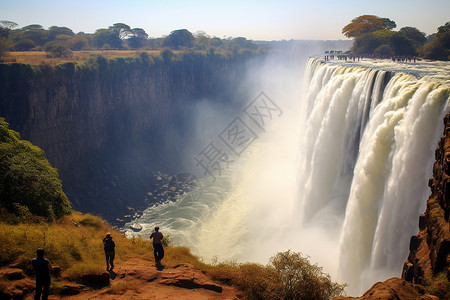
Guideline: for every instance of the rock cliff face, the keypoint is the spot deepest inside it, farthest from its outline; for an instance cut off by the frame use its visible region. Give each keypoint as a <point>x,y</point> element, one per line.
<point>428,263</point>
<point>103,125</point>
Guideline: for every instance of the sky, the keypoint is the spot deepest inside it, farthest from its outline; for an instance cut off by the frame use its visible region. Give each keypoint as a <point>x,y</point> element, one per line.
<point>255,20</point>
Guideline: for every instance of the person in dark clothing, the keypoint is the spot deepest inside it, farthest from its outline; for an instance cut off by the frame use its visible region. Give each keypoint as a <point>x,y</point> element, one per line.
<point>158,250</point>
<point>42,267</point>
<point>109,246</point>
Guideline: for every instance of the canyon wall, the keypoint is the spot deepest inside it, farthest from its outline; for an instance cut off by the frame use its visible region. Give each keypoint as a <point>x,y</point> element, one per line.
<point>428,263</point>
<point>103,124</point>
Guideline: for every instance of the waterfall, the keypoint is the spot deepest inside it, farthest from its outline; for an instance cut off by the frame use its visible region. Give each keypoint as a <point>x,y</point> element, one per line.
<point>341,176</point>
<point>370,143</point>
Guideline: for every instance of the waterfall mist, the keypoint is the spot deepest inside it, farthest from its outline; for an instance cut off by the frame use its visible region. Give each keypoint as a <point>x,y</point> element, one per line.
<point>340,176</point>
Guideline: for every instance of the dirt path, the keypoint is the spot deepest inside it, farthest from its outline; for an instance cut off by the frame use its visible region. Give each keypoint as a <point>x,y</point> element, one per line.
<point>140,279</point>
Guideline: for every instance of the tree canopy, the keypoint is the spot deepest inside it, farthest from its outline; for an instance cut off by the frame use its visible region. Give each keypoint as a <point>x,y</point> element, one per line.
<point>439,47</point>
<point>366,24</point>
<point>27,179</point>
<point>374,36</point>
<point>59,41</point>
<point>179,38</point>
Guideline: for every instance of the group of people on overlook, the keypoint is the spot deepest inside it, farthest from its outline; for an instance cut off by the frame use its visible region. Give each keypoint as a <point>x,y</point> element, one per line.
<point>42,266</point>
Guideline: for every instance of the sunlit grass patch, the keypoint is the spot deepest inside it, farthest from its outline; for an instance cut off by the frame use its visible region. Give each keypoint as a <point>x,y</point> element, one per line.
<point>122,287</point>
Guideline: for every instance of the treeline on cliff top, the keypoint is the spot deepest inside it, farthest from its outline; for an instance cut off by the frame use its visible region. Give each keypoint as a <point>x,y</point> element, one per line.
<point>60,41</point>
<point>29,185</point>
<point>374,36</point>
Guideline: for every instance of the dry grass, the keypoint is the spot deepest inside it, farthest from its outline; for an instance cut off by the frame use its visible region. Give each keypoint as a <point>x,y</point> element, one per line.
<point>123,287</point>
<point>75,244</point>
<point>40,57</point>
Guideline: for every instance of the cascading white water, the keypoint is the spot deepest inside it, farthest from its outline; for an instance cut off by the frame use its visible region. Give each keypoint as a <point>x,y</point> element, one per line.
<point>372,158</point>
<point>342,176</point>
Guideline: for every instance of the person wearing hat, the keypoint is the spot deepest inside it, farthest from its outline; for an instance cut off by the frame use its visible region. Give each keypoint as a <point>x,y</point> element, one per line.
<point>109,246</point>
<point>42,267</point>
<point>158,250</point>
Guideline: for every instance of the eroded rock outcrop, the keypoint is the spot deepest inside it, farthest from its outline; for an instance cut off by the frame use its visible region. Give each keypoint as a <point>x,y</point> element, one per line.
<point>393,289</point>
<point>428,263</point>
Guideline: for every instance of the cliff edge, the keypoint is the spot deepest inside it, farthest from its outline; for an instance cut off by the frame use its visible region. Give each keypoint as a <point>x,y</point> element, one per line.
<point>428,262</point>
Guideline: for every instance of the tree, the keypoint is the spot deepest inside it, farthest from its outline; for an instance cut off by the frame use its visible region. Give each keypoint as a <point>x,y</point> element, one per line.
<point>366,24</point>
<point>120,30</point>
<point>57,49</point>
<point>444,35</point>
<point>414,35</point>
<point>384,51</point>
<point>78,42</point>
<point>8,24</point>
<point>4,47</point>
<point>167,55</point>
<point>402,45</point>
<point>383,42</point>
<point>178,39</point>
<point>138,38</point>
<point>5,28</point>
<point>242,42</point>
<point>54,31</point>
<point>368,42</point>
<point>112,37</point>
<point>299,279</point>
<point>139,32</point>
<point>389,24</point>
<point>27,178</point>
<point>36,33</point>
<point>32,27</point>
<point>439,47</point>
<point>24,45</point>
<point>104,38</point>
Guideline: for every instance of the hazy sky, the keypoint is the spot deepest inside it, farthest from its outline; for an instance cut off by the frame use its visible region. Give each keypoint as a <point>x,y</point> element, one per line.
<point>257,20</point>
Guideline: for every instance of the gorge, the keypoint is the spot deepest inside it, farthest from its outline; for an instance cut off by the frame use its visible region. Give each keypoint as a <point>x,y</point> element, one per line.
<point>340,174</point>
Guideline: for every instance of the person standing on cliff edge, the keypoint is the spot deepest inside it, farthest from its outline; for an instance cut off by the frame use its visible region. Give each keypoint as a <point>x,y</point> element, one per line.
<point>158,250</point>
<point>109,246</point>
<point>42,267</point>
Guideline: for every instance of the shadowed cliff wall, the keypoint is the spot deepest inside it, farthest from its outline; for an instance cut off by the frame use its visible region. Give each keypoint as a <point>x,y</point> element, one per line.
<point>103,124</point>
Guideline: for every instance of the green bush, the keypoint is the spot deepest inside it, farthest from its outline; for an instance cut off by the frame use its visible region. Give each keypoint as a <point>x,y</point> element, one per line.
<point>27,180</point>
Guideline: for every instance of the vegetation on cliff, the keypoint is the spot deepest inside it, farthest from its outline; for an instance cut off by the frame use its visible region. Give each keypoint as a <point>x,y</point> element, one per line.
<point>74,243</point>
<point>28,183</point>
<point>374,37</point>
<point>59,41</point>
<point>288,275</point>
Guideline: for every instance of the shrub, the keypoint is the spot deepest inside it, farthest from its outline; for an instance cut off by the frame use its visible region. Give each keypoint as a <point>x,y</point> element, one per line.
<point>259,282</point>
<point>440,286</point>
<point>289,275</point>
<point>27,180</point>
<point>299,279</point>
<point>89,220</point>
